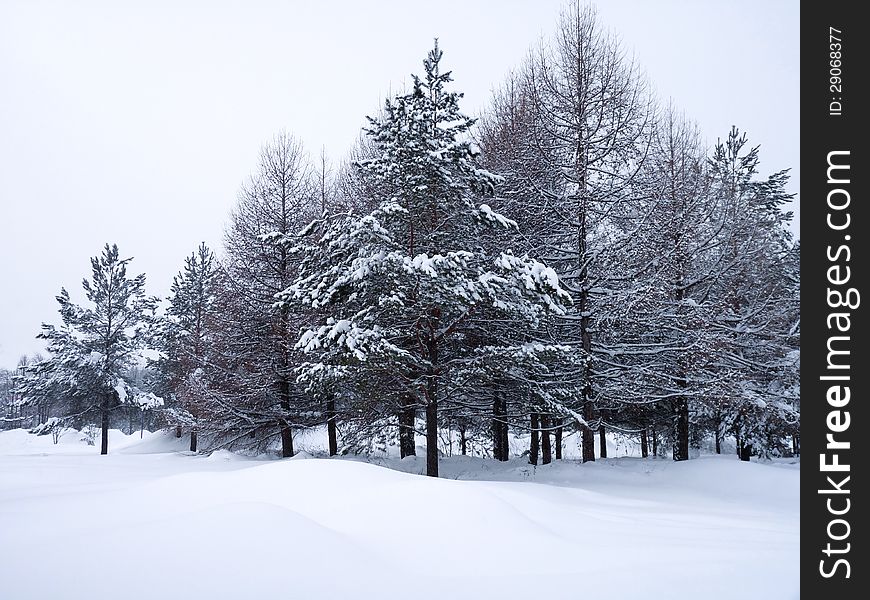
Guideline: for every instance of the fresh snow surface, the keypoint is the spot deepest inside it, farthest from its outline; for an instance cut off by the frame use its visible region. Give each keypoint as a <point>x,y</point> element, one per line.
<point>153,521</point>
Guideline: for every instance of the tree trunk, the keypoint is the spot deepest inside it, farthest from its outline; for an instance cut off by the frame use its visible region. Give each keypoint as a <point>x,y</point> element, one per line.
<point>500,446</point>
<point>533,441</point>
<point>558,437</point>
<point>681,429</point>
<point>286,440</point>
<point>286,431</point>
<point>546,450</point>
<point>745,452</point>
<point>432,438</point>
<point>177,431</point>
<point>463,441</point>
<point>718,442</point>
<point>497,448</point>
<point>644,444</point>
<point>432,412</point>
<point>193,439</point>
<point>407,412</point>
<point>796,444</point>
<point>602,440</point>
<point>104,423</point>
<point>587,435</point>
<point>655,441</point>
<point>330,426</point>
<point>505,443</point>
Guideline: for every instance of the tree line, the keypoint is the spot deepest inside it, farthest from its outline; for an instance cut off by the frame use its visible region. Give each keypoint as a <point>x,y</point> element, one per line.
<point>575,260</point>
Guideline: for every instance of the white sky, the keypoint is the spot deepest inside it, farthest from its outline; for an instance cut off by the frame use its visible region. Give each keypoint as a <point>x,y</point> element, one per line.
<point>136,122</point>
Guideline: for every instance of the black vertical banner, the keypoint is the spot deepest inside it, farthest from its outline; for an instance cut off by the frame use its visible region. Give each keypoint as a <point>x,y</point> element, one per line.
<point>835,364</point>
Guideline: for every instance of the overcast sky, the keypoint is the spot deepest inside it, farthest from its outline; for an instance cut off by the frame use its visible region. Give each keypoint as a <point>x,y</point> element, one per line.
<point>136,122</point>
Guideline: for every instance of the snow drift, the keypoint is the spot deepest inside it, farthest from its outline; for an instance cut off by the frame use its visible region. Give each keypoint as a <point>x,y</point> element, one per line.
<point>152,522</point>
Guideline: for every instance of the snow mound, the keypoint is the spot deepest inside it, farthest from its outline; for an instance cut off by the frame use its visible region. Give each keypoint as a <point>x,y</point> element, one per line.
<point>222,456</point>
<point>157,442</point>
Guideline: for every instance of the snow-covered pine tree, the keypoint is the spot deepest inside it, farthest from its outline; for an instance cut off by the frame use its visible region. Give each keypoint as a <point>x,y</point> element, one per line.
<point>93,351</point>
<point>402,283</point>
<point>187,336</point>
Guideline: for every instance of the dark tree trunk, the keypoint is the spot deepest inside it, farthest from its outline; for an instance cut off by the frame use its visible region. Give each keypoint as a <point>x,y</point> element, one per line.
<point>718,442</point>
<point>104,424</point>
<point>463,441</point>
<point>407,412</point>
<point>432,412</point>
<point>500,447</point>
<point>558,437</point>
<point>177,430</point>
<point>796,444</point>
<point>745,452</point>
<point>193,439</point>
<point>587,435</point>
<point>498,450</point>
<point>286,431</point>
<point>505,444</point>
<point>602,440</point>
<point>533,441</point>
<point>644,444</point>
<point>681,429</point>
<point>330,426</point>
<point>546,450</point>
<point>432,438</point>
<point>286,440</point>
<point>655,442</point>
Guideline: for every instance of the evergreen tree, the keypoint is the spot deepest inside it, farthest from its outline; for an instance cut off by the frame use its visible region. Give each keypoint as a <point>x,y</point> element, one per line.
<point>94,351</point>
<point>404,282</point>
<point>188,331</point>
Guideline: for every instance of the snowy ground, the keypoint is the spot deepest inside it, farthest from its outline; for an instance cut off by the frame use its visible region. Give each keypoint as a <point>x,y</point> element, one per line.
<point>151,521</point>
